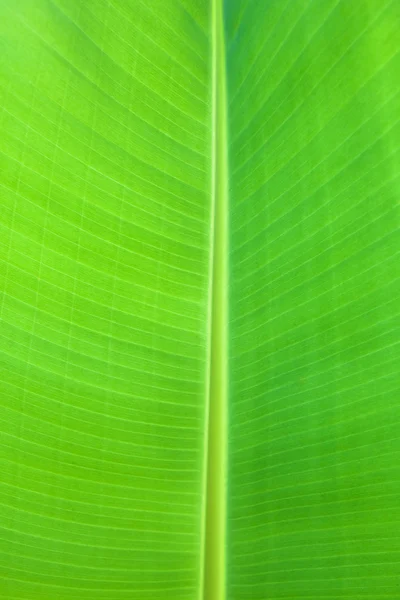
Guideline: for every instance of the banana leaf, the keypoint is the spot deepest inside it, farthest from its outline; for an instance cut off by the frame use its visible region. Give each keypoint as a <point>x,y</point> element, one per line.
<point>199,307</point>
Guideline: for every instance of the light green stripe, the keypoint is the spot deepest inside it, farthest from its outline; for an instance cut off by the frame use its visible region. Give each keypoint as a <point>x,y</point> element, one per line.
<point>215,552</point>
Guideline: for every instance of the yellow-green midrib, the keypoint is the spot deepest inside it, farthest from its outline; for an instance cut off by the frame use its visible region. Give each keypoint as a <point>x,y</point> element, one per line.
<point>216,487</point>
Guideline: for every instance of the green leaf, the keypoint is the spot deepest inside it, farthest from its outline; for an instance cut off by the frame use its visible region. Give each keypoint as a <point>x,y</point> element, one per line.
<point>314,106</point>
<point>105,247</point>
<point>199,239</point>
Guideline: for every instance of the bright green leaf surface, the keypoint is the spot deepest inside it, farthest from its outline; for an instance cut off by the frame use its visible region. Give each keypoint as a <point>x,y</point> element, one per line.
<point>104,241</point>
<point>133,329</point>
<point>314,108</point>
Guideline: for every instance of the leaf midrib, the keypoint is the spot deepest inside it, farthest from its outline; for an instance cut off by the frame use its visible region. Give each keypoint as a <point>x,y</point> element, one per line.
<point>214,535</point>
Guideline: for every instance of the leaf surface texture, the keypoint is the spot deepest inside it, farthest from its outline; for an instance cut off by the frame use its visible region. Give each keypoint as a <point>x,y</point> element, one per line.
<point>199,276</point>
